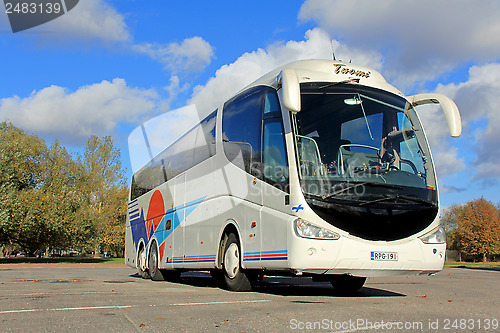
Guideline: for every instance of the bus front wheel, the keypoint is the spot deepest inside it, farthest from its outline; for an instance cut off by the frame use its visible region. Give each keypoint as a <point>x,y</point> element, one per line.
<point>235,279</point>
<point>346,284</point>
<point>154,272</point>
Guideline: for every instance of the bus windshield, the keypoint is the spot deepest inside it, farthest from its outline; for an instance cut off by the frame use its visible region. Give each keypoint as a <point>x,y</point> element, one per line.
<point>364,150</point>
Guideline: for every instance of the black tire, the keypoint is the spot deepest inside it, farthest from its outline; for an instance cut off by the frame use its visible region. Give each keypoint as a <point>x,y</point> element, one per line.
<point>153,270</point>
<point>235,279</point>
<point>347,284</point>
<point>141,263</point>
<point>218,277</point>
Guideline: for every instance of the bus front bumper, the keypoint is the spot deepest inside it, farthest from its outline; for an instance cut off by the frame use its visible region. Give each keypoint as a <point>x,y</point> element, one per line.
<point>364,258</point>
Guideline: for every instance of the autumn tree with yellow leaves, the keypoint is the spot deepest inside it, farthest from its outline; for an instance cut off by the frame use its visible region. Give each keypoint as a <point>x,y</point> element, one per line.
<point>474,228</point>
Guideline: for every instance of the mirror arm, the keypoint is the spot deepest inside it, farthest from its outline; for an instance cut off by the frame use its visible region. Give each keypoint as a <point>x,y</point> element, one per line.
<point>450,109</point>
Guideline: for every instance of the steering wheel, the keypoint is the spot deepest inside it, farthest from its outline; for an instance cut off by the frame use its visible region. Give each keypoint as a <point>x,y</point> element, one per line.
<point>340,159</point>
<point>411,164</point>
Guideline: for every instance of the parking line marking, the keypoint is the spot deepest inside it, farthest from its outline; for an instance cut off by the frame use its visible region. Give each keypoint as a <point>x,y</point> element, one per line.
<point>66,294</point>
<point>69,309</point>
<point>226,302</point>
<point>93,307</point>
<point>20,311</point>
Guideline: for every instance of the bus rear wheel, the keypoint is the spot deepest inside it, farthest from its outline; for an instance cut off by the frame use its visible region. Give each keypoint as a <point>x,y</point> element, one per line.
<point>141,263</point>
<point>347,284</point>
<point>234,278</point>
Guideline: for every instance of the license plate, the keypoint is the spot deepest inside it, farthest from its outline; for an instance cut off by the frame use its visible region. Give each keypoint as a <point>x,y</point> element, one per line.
<point>384,256</point>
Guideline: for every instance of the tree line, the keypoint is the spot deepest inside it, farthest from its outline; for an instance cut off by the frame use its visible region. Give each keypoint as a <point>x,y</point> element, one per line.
<point>473,229</point>
<point>52,199</point>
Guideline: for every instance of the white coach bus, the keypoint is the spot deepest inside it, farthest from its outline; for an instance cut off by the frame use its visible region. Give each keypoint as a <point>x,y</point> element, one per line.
<point>319,168</point>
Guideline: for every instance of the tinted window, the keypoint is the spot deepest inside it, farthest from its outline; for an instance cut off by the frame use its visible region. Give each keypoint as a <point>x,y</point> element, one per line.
<point>271,104</point>
<point>259,152</point>
<point>275,159</point>
<point>192,148</point>
<point>241,130</point>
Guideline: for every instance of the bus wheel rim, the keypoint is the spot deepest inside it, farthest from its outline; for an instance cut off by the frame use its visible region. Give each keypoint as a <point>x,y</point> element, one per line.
<point>152,264</point>
<point>142,258</point>
<point>232,260</point>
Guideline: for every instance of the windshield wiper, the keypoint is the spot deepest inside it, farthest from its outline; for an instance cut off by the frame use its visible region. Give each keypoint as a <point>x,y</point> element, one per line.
<point>350,187</point>
<point>340,82</point>
<point>355,185</point>
<point>399,196</point>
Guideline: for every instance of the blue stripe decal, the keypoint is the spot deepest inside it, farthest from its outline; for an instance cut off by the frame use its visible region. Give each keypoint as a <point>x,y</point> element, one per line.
<point>206,256</point>
<point>275,258</point>
<point>267,252</point>
<point>280,251</point>
<point>193,259</point>
<point>251,253</point>
<point>191,203</point>
<point>266,255</point>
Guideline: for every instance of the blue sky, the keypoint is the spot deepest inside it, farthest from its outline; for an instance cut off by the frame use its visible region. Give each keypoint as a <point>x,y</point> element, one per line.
<point>108,65</point>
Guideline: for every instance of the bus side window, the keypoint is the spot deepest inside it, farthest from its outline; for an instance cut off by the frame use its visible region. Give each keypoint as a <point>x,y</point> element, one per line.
<point>241,131</point>
<point>273,146</point>
<point>275,160</point>
<point>271,104</point>
<point>204,146</point>
<point>192,148</point>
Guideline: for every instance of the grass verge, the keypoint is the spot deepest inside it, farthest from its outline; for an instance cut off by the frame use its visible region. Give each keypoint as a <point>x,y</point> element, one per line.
<point>472,264</point>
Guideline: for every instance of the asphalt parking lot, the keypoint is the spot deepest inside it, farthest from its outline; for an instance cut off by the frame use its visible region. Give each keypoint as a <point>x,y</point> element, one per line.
<point>79,298</point>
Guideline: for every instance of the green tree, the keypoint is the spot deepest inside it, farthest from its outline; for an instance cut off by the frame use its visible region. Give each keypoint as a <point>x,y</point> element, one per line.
<point>450,224</point>
<point>63,200</point>
<point>113,237</point>
<point>50,200</point>
<point>101,183</point>
<point>20,176</point>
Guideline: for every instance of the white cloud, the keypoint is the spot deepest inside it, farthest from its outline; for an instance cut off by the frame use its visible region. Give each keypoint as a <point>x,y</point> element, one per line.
<point>89,20</point>
<point>161,131</point>
<point>191,55</point>
<point>446,156</point>
<point>478,100</point>
<point>229,79</point>
<point>447,162</point>
<point>420,39</point>
<point>174,89</point>
<point>72,116</point>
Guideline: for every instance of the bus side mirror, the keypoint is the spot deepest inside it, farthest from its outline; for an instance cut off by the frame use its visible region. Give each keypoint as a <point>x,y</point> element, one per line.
<point>289,82</point>
<point>450,109</point>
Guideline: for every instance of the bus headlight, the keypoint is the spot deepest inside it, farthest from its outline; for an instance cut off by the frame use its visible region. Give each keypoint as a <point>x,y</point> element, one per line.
<point>309,230</point>
<point>434,237</point>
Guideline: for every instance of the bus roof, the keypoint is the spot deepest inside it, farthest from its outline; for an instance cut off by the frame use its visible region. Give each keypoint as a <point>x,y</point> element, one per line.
<point>328,71</point>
